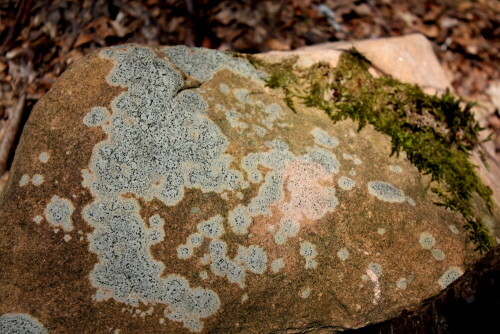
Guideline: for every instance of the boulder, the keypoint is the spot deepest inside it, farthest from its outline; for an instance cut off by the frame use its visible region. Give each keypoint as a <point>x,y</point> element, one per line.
<point>169,190</point>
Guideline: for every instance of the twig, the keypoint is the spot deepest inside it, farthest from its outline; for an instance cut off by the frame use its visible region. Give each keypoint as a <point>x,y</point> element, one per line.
<point>12,128</point>
<point>21,17</point>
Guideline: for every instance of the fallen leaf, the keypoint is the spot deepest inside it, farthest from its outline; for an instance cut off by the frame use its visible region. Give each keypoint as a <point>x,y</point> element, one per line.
<point>276,44</point>
<point>83,39</point>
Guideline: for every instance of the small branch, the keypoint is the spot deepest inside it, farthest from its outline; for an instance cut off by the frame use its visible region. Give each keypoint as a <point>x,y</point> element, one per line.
<point>12,128</point>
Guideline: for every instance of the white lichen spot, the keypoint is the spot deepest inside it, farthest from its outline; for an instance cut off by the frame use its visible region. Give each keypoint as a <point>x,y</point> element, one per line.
<point>58,213</point>
<point>37,179</point>
<point>343,254</point>
<point>288,229</point>
<point>321,137</point>
<point>233,117</point>
<point>97,116</point>
<point>205,259</point>
<point>274,112</point>
<point>386,192</point>
<point>311,264</point>
<point>239,219</point>
<point>426,240</point>
<point>347,156</point>
<point>401,283</point>
<point>224,88</point>
<point>221,265</point>
<point>184,252</point>
<point>381,231</point>
<point>450,275</point>
<point>309,252</point>
<point>254,258</point>
<point>241,95</point>
<point>346,183</point>
<point>305,293</point>
<point>453,229</point>
<point>244,298</point>
<point>212,228</point>
<point>357,161</point>
<point>194,240</point>
<point>203,275</point>
<point>375,268</point>
<point>25,179</point>
<point>395,169</point>
<point>277,265</point>
<point>67,237</point>
<point>308,249</point>
<point>259,130</point>
<point>438,254</point>
<point>20,323</point>
<point>410,201</point>
<point>352,172</point>
<point>43,157</point>
<point>37,219</point>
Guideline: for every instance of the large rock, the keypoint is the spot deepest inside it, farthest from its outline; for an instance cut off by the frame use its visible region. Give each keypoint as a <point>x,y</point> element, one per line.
<point>167,190</point>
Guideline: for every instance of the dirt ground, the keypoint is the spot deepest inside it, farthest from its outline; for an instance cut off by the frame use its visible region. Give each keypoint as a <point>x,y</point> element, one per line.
<point>40,38</point>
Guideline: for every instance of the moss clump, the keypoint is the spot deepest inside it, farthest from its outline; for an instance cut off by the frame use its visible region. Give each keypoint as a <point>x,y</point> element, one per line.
<point>436,132</point>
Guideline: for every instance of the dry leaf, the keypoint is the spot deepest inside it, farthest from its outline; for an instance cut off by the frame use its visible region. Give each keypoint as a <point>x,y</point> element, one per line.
<point>83,39</point>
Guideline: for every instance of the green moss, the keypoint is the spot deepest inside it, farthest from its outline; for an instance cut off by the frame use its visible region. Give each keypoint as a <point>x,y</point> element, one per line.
<point>437,133</point>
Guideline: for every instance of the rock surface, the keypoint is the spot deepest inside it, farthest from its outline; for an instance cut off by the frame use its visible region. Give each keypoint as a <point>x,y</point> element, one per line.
<point>468,305</point>
<point>167,190</point>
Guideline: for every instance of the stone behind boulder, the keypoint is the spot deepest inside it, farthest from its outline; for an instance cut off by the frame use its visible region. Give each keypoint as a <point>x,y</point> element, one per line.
<point>168,190</point>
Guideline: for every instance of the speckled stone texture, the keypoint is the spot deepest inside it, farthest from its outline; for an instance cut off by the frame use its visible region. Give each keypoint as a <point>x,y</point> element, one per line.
<point>167,190</point>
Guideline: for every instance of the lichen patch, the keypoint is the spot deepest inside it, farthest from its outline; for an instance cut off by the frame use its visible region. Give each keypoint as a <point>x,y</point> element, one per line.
<point>43,157</point>
<point>343,254</point>
<point>24,180</point>
<point>449,276</point>
<point>37,179</point>
<point>426,240</point>
<point>58,213</point>
<point>20,323</point>
<point>305,292</point>
<point>321,137</point>
<point>346,183</point>
<point>309,252</point>
<point>386,192</point>
<point>395,169</point>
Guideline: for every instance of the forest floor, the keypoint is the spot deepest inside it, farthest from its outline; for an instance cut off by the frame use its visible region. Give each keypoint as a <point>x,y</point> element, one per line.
<point>39,39</point>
